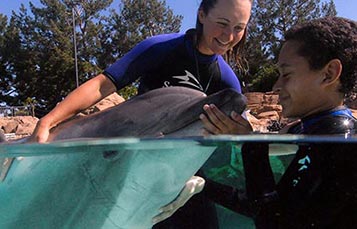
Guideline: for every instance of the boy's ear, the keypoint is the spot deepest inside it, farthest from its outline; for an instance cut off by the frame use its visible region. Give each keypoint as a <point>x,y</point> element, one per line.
<point>332,72</point>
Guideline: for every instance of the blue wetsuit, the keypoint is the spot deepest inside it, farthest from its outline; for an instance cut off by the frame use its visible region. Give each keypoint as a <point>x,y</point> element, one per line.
<point>318,190</point>
<point>172,60</point>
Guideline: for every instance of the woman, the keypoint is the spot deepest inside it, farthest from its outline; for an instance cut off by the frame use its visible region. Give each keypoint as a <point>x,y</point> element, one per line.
<point>191,60</point>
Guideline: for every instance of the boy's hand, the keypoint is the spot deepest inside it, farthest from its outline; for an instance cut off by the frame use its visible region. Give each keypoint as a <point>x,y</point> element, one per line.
<point>216,122</point>
<point>286,128</point>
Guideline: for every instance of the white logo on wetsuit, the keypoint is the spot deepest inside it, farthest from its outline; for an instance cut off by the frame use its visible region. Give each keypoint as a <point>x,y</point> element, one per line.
<point>186,79</point>
<point>304,162</point>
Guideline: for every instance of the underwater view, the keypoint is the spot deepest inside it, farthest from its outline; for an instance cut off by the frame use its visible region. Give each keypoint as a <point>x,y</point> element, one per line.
<point>122,182</point>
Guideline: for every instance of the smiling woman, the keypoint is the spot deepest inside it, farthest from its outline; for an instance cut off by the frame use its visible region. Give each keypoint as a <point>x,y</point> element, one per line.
<point>221,28</point>
<point>193,60</point>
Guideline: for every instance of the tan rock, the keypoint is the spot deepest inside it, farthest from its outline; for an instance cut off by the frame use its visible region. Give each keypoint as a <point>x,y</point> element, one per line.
<point>271,115</point>
<point>109,101</point>
<point>10,127</point>
<point>271,98</point>
<point>22,125</point>
<point>254,97</point>
<point>267,107</point>
<point>259,125</point>
<point>25,125</point>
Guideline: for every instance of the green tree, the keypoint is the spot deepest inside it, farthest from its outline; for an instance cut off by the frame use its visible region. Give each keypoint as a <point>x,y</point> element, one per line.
<point>135,21</point>
<point>5,77</point>
<point>17,60</point>
<point>265,77</point>
<point>40,65</point>
<point>270,20</point>
<point>43,65</point>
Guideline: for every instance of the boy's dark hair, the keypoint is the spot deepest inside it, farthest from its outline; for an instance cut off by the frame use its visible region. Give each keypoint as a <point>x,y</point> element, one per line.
<point>324,39</point>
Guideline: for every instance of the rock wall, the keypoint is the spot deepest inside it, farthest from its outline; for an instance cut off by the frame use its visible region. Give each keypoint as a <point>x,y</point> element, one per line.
<point>22,126</point>
<point>264,110</point>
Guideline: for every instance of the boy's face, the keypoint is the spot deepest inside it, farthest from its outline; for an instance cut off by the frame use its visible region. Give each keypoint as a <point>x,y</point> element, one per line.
<point>299,87</point>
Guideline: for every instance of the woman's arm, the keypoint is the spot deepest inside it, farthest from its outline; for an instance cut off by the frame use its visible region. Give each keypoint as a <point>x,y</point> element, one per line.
<point>81,98</point>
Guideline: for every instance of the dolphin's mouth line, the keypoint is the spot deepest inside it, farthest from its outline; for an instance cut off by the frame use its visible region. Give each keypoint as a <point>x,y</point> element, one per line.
<point>192,121</point>
<point>179,128</point>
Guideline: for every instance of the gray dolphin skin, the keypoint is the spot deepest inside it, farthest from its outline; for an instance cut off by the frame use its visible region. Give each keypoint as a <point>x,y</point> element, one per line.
<point>2,136</point>
<point>111,185</point>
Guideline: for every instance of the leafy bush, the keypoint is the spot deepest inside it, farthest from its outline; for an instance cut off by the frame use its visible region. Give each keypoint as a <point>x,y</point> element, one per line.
<point>264,79</point>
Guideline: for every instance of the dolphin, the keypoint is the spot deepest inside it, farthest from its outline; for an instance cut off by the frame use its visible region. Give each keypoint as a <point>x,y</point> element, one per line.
<point>170,111</point>
<point>121,183</point>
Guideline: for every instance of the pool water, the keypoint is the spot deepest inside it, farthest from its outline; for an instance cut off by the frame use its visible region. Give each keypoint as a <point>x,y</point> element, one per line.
<point>121,182</point>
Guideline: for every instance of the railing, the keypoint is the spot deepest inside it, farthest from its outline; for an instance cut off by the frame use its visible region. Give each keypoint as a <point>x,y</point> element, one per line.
<point>10,111</point>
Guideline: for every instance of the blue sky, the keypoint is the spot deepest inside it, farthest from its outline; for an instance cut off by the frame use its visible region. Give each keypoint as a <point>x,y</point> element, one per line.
<point>187,8</point>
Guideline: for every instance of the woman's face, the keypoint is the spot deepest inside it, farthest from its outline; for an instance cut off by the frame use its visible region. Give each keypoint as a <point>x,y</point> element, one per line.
<point>223,26</point>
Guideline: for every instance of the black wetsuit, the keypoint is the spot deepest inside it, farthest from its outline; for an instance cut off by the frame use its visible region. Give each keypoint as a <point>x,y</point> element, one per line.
<point>318,190</point>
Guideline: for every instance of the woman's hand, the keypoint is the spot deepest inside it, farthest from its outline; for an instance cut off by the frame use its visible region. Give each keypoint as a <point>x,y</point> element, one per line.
<point>216,122</point>
<point>194,185</point>
<point>78,100</point>
<point>41,132</point>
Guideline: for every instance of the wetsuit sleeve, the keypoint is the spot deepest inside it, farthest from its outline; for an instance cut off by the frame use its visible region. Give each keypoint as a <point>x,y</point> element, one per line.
<point>259,176</point>
<point>227,196</point>
<point>260,185</point>
<point>263,200</point>
<point>228,78</point>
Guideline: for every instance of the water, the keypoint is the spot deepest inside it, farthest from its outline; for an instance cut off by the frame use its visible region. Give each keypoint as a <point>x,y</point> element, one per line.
<point>121,182</point>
